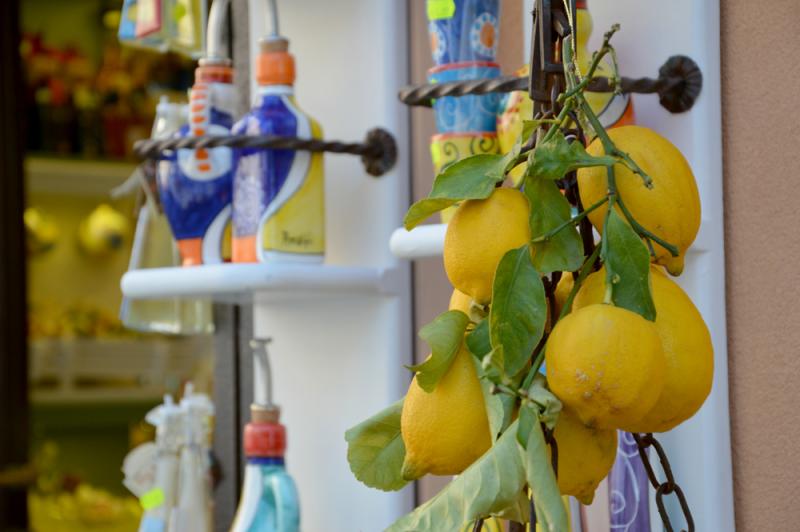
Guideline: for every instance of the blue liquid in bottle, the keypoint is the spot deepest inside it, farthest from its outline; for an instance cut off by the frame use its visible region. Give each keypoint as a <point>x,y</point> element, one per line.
<point>269,500</point>
<point>278,508</point>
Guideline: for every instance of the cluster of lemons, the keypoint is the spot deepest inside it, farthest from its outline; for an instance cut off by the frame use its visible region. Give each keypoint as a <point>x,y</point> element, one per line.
<point>611,368</point>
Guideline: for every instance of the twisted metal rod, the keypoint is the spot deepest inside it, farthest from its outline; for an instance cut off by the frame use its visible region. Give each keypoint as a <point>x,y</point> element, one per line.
<point>378,152</point>
<point>678,86</point>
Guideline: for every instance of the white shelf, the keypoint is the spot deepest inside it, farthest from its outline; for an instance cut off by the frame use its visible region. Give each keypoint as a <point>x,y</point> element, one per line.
<point>82,177</point>
<point>422,241</point>
<point>239,283</point>
<point>93,369</point>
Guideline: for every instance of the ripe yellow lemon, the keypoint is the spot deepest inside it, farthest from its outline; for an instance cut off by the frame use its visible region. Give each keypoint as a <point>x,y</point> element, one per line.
<point>585,455</point>
<point>607,364</point>
<point>563,288</point>
<point>460,301</point>
<point>477,237</point>
<point>671,209</point>
<point>687,348</point>
<point>446,430</point>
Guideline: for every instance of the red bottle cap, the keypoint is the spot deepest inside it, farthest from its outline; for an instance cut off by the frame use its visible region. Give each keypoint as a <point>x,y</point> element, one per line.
<point>267,440</point>
<point>264,436</point>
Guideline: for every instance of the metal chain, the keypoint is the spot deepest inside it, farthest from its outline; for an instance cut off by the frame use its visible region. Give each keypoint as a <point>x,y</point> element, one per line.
<point>669,486</point>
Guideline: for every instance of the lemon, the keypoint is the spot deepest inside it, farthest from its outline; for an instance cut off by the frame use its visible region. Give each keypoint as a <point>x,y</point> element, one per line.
<point>446,430</point>
<point>607,364</point>
<point>687,348</point>
<point>478,236</point>
<point>460,301</point>
<point>585,456</point>
<point>670,210</point>
<point>562,291</point>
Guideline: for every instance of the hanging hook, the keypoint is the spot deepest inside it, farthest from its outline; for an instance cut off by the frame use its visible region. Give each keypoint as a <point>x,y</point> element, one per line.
<point>262,372</point>
<point>217,34</point>
<point>273,11</point>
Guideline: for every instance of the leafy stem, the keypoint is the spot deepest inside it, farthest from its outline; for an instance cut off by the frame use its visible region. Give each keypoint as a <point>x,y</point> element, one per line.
<point>648,235</point>
<point>563,116</point>
<point>608,145</point>
<point>572,221</point>
<point>607,297</point>
<point>586,269</point>
<point>597,56</point>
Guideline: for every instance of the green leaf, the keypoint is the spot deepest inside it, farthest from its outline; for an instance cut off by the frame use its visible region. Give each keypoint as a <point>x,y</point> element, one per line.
<point>628,262</point>
<point>444,335</point>
<point>518,511</point>
<point>474,177</point>
<point>549,210</point>
<point>549,405</point>
<point>554,158</point>
<point>495,408</point>
<point>550,511</point>
<point>489,486</point>
<point>420,210</point>
<point>375,450</point>
<point>478,341</point>
<point>519,309</point>
<point>528,127</point>
<point>492,363</point>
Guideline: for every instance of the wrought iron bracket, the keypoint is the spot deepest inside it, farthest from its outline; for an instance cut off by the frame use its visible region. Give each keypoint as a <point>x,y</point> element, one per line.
<point>678,84</point>
<point>378,151</point>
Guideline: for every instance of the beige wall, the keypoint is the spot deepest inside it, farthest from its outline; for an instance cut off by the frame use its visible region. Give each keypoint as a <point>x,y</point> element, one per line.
<point>760,76</point>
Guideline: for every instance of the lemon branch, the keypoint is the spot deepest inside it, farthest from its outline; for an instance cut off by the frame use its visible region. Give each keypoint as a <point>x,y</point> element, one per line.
<point>648,235</point>
<point>610,148</point>
<point>577,96</point>
<point>561,119</point>
<point>572,221</point>
<point>586,269</point>
<point>597,56</point>
<point>604,244</point>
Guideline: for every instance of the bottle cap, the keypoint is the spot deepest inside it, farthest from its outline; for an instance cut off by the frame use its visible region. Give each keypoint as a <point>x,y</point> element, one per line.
<point>266,440</point>
<point>275,65</point>
<point>264,436</point>
<point>213,71</point>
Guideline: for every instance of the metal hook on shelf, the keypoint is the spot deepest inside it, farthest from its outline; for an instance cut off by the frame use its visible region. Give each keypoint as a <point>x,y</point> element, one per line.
<point>262,372</point>
<point>378,151</point>
<point>273,11</point>
<point>217,38</point>
<point>678,84</point>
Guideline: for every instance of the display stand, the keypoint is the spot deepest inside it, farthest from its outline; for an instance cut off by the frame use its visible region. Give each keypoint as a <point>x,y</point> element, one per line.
<point>341,330</point>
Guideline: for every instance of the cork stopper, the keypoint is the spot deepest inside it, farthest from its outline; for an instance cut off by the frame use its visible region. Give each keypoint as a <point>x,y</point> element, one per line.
<point>264,413</point>
<point>214,71</point>
<point>274,44</point>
